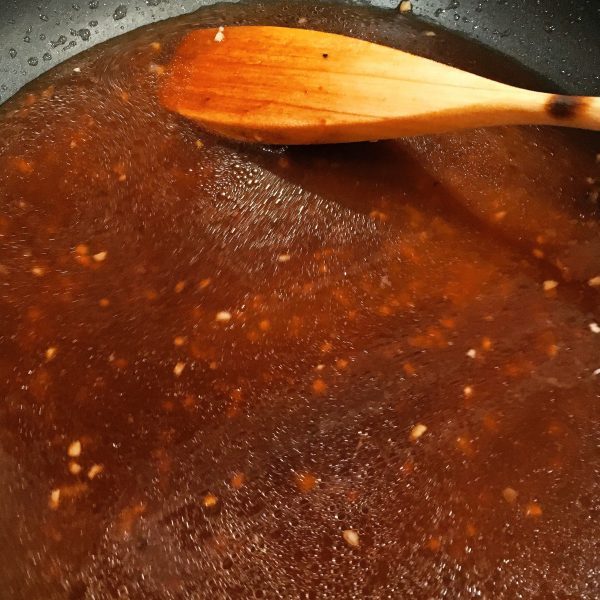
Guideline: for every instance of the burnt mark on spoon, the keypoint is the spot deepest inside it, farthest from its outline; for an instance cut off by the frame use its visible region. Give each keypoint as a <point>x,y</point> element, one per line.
<point>565,107</point>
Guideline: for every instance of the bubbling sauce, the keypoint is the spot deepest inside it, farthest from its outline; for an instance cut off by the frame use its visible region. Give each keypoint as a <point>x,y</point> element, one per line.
<point>367,371</point>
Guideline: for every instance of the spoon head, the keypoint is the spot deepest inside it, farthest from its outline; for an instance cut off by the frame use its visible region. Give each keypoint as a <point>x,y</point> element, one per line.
<point>280,85</point>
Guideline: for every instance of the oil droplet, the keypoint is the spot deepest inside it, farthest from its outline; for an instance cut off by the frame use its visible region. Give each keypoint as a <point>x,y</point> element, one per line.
<point>120,12</point>
<point>93,23</point>
<point>84,34</point>
<point>33,61</point>
<point>44,17</point>
<point>46,56</point>
<point>93,3</point>
<point>12,53</point>
<point>27,39</point>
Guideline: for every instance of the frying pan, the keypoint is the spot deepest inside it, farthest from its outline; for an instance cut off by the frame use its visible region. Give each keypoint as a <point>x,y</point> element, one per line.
<point>559,41</point>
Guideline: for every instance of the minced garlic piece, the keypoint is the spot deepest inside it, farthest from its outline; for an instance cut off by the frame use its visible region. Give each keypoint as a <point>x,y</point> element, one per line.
<point>220,35</point>
<point>405,6</point>
<point>74,449</point>
<point>94,470</point>
<point>74,468</point>
<point>100,256</point>
<point>178,368</point>
<point>210,500</point>
<point>351,537</point>
<point>417,431</point>
<point>54,499</point>
<point>549,284</point>
<point>509,494</point>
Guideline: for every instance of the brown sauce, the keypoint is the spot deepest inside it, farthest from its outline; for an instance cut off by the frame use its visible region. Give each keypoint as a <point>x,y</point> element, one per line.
<point>236,372</point>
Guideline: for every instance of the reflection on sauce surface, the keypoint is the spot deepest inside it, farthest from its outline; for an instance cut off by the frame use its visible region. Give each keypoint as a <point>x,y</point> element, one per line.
<point>362,371</point>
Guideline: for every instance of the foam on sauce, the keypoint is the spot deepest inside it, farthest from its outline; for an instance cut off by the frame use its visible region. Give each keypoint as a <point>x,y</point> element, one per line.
<point>235,372</point>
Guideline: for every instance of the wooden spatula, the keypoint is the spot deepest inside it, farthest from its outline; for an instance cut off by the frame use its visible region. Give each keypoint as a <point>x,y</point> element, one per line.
<point>277,85</point>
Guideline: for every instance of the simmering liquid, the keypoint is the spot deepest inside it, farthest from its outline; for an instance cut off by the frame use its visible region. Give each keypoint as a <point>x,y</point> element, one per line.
<point>228,371</point>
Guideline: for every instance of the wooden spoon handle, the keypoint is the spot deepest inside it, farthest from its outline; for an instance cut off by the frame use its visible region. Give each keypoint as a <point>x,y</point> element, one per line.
<point>506,105</point>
